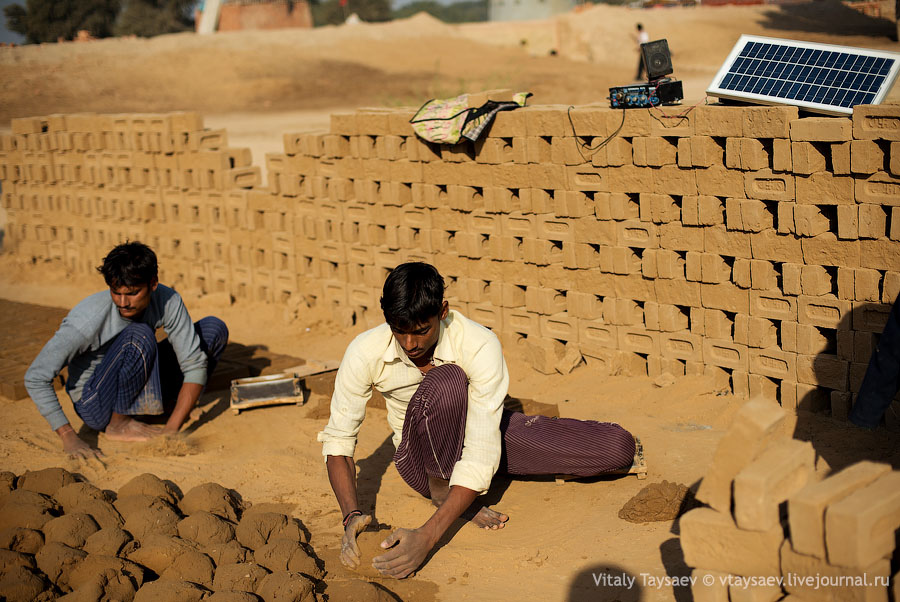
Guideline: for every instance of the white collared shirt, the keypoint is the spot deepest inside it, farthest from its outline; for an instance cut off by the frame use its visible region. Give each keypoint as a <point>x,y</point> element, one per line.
<point>375,359</point>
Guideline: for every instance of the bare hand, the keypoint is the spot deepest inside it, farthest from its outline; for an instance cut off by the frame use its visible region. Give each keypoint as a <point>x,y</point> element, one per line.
<point>75,447</point>
<point>412,546</point>
<point>349,549</point>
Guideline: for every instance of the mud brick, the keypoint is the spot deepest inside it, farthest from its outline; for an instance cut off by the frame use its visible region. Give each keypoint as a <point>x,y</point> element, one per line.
<point>682,346</point>
<point>705,152</point>
<point>762,333</point>
<point>741,273</point>
<point>680,238</point>
<point>710,540</point>
<point>684,153</point>
<point>619,152</point>
<point>629,123</point>
<point>823,370</point>
<point>821,129</point>
<point>629,178</point>
<point>590,120</point>
<point>584,177</point>
<point>840,158</point>
<point>636,234</point>
<point>494,151</point>
<point>880,188</point>
<point>876,122</point>
<point>806,158</point>
<point>848,222</point>
<point>890,288</point>
<point>725,296</point>
<point>587,306</point>
<point>825,312</point>
<point>508,124</point>
<point>894,163</point>
<point>781,155</point>
<point>774,363</point>
<point>753,155</point>
<point>872,221</point>
<point>768,122</point>
<point>825,249</point>
<point>767,185</point>
<point>547,176</point>
<point>755,217</point>
<point>859,529</point>
<point>764,277</point>
<point>521,321</point>
<point>671,179</point>
<point>714,269</point>
<point>867,285</point>
<point>778,472</point>
<point>805,576</point>
<point>806,508</point>
<point>824,188</point>
<point>622,312</point>
<point>660,208</point>
<point>546,120</point>
<point>550,227</point>
<point>544,301</point>
<point>672,318</point>
<point>638,340</point>
<point>559,326</point>
<point>866,157</point>
<point>815,280</point>
<point>725,353</point>
<point>879,254</point>
<point>567,150</point>
<point>718,120</point>
<point>654,151</point>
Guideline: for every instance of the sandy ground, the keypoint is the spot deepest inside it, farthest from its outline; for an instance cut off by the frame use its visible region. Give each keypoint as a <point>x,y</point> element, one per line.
<point>260,85</point>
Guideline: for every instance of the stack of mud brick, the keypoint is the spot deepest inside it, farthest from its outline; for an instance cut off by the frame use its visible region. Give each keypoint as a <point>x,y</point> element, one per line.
<point>76,185</point>
<point>746,243</point>
<point>772,527</point>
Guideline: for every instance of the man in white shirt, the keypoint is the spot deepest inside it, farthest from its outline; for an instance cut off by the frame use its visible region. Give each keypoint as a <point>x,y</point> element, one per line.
<point>642,37</point>
<point>444,380</point>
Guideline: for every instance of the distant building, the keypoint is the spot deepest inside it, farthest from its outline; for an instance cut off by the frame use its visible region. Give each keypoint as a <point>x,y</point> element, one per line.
<point>262,14</point>
<point>526,10</point>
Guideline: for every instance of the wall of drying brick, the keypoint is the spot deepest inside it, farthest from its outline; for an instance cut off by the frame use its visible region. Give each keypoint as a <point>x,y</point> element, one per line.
<point>264,14</point>
<point>744,243</point>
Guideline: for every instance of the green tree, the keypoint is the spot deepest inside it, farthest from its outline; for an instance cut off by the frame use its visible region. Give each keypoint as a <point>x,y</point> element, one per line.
<point>468,11</point>
<point>147,18</point>
<point>49,20</point>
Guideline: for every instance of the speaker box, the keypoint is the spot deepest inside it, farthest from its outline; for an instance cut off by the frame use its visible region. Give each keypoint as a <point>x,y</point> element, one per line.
<point>657,59</point>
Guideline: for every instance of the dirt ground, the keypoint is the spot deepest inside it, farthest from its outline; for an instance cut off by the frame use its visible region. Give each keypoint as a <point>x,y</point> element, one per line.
<point>259,85</point>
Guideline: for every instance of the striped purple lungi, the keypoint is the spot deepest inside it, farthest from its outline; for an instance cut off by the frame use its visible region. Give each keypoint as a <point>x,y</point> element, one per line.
<point>435,424</point>
<point>136,374</point>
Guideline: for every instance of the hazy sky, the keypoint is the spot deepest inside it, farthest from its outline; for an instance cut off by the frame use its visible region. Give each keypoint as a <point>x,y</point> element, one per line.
<point>5,34</point>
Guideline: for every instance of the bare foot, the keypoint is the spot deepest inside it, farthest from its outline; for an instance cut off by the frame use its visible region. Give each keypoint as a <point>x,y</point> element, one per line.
<point>478,513</point>
<point>489,519</point>
<point>124,428</point>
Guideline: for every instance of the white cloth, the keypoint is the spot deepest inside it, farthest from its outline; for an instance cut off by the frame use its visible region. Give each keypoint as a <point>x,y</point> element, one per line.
<point>375,359</point>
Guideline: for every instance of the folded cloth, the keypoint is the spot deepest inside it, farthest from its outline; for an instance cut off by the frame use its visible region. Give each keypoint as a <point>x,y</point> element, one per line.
<point>449,120</point>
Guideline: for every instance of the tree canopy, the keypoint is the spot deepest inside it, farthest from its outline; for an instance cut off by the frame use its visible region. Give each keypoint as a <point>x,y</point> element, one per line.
<point>147,18</point>
<point>48,20</point>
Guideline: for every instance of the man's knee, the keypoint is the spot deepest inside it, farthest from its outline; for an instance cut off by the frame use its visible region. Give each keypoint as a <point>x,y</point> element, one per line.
<point>140,335</point>
<point>621,446</point>
<point>446,388</point>
<point>213,334</point>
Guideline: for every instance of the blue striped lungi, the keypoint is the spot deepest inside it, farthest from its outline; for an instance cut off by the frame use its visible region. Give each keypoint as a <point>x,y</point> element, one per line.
<point>136,373</point>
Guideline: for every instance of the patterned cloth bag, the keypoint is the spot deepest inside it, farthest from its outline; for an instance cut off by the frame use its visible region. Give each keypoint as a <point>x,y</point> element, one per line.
<point>449,120</point>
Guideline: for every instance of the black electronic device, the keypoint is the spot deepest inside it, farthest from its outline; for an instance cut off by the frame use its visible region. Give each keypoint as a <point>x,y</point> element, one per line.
<point>666,91</point>
<point>657,59</point>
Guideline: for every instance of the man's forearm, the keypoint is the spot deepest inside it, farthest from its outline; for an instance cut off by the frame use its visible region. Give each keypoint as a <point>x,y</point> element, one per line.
<point>342,476</point>
<point>187,399</point>
<point>457,501</point>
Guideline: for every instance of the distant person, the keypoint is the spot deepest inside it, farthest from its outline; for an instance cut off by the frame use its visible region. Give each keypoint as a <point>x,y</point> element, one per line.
<point>882,380</point>
<point>444,380</point>
<point>642,37</point>
<point>116,368</point>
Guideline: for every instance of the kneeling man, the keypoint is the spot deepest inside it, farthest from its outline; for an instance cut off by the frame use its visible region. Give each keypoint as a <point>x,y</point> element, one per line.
<point>116,368</point>
<point>444,380</point>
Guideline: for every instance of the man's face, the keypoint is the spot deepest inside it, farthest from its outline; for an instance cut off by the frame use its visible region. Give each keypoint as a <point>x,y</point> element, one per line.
<point>418,342</point>
<point>131,301</point>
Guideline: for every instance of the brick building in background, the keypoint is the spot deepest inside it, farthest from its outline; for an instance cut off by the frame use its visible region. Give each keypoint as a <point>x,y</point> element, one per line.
<point>262,14</point>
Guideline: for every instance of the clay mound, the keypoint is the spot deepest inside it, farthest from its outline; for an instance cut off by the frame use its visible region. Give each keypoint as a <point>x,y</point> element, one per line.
<point>57,560</point>
<point>193,566</point>
<point>70,529</point>
<point>27,509</point>
<point>233,597</point>
<point>657,502</point>
<point>160,518</point>
<point>287,555</point>
<point>118,578</point>
<point>128,505</point>
<point>243,577</point>
<point>369,543</point>
<point>284,586</point>
<point>109,542</point>
<point>357,590</point>
<point>47,481</point>
<point>158,552</point>
<point>27,541</point>
<point>77,494</point>
<point>7,483</point>
<point>103,512</point>
<point>228,553</point>
<point>22,585</point>
<point>257,528</point>
<point>205,528</point>
<point>152,485</point>
<point>212,498</point>
<point>10,560</point>
<point>170,591</point>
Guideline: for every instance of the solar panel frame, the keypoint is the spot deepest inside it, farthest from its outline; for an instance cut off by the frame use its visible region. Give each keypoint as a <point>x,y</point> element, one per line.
<point>851,75</point>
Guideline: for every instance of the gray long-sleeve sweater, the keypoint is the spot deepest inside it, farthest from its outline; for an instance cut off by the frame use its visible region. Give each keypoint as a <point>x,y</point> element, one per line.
<point>88,331</point>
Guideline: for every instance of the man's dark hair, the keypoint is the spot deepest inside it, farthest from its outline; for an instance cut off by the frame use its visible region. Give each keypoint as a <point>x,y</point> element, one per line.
<point>129,264</point>
<point>413,294</point>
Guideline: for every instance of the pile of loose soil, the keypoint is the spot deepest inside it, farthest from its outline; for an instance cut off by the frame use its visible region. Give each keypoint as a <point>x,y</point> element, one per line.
<point>658,501</point>
<point>63,538</point>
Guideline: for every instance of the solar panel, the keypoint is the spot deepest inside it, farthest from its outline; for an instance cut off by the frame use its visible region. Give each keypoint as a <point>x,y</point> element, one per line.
<point>822,78</point>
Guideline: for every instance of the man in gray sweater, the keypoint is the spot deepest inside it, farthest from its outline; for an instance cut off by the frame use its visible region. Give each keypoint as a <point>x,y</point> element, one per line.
<point>116,367</point>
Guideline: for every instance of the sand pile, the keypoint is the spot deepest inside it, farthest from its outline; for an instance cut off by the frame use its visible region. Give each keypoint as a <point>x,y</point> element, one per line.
<point>63,538</point>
